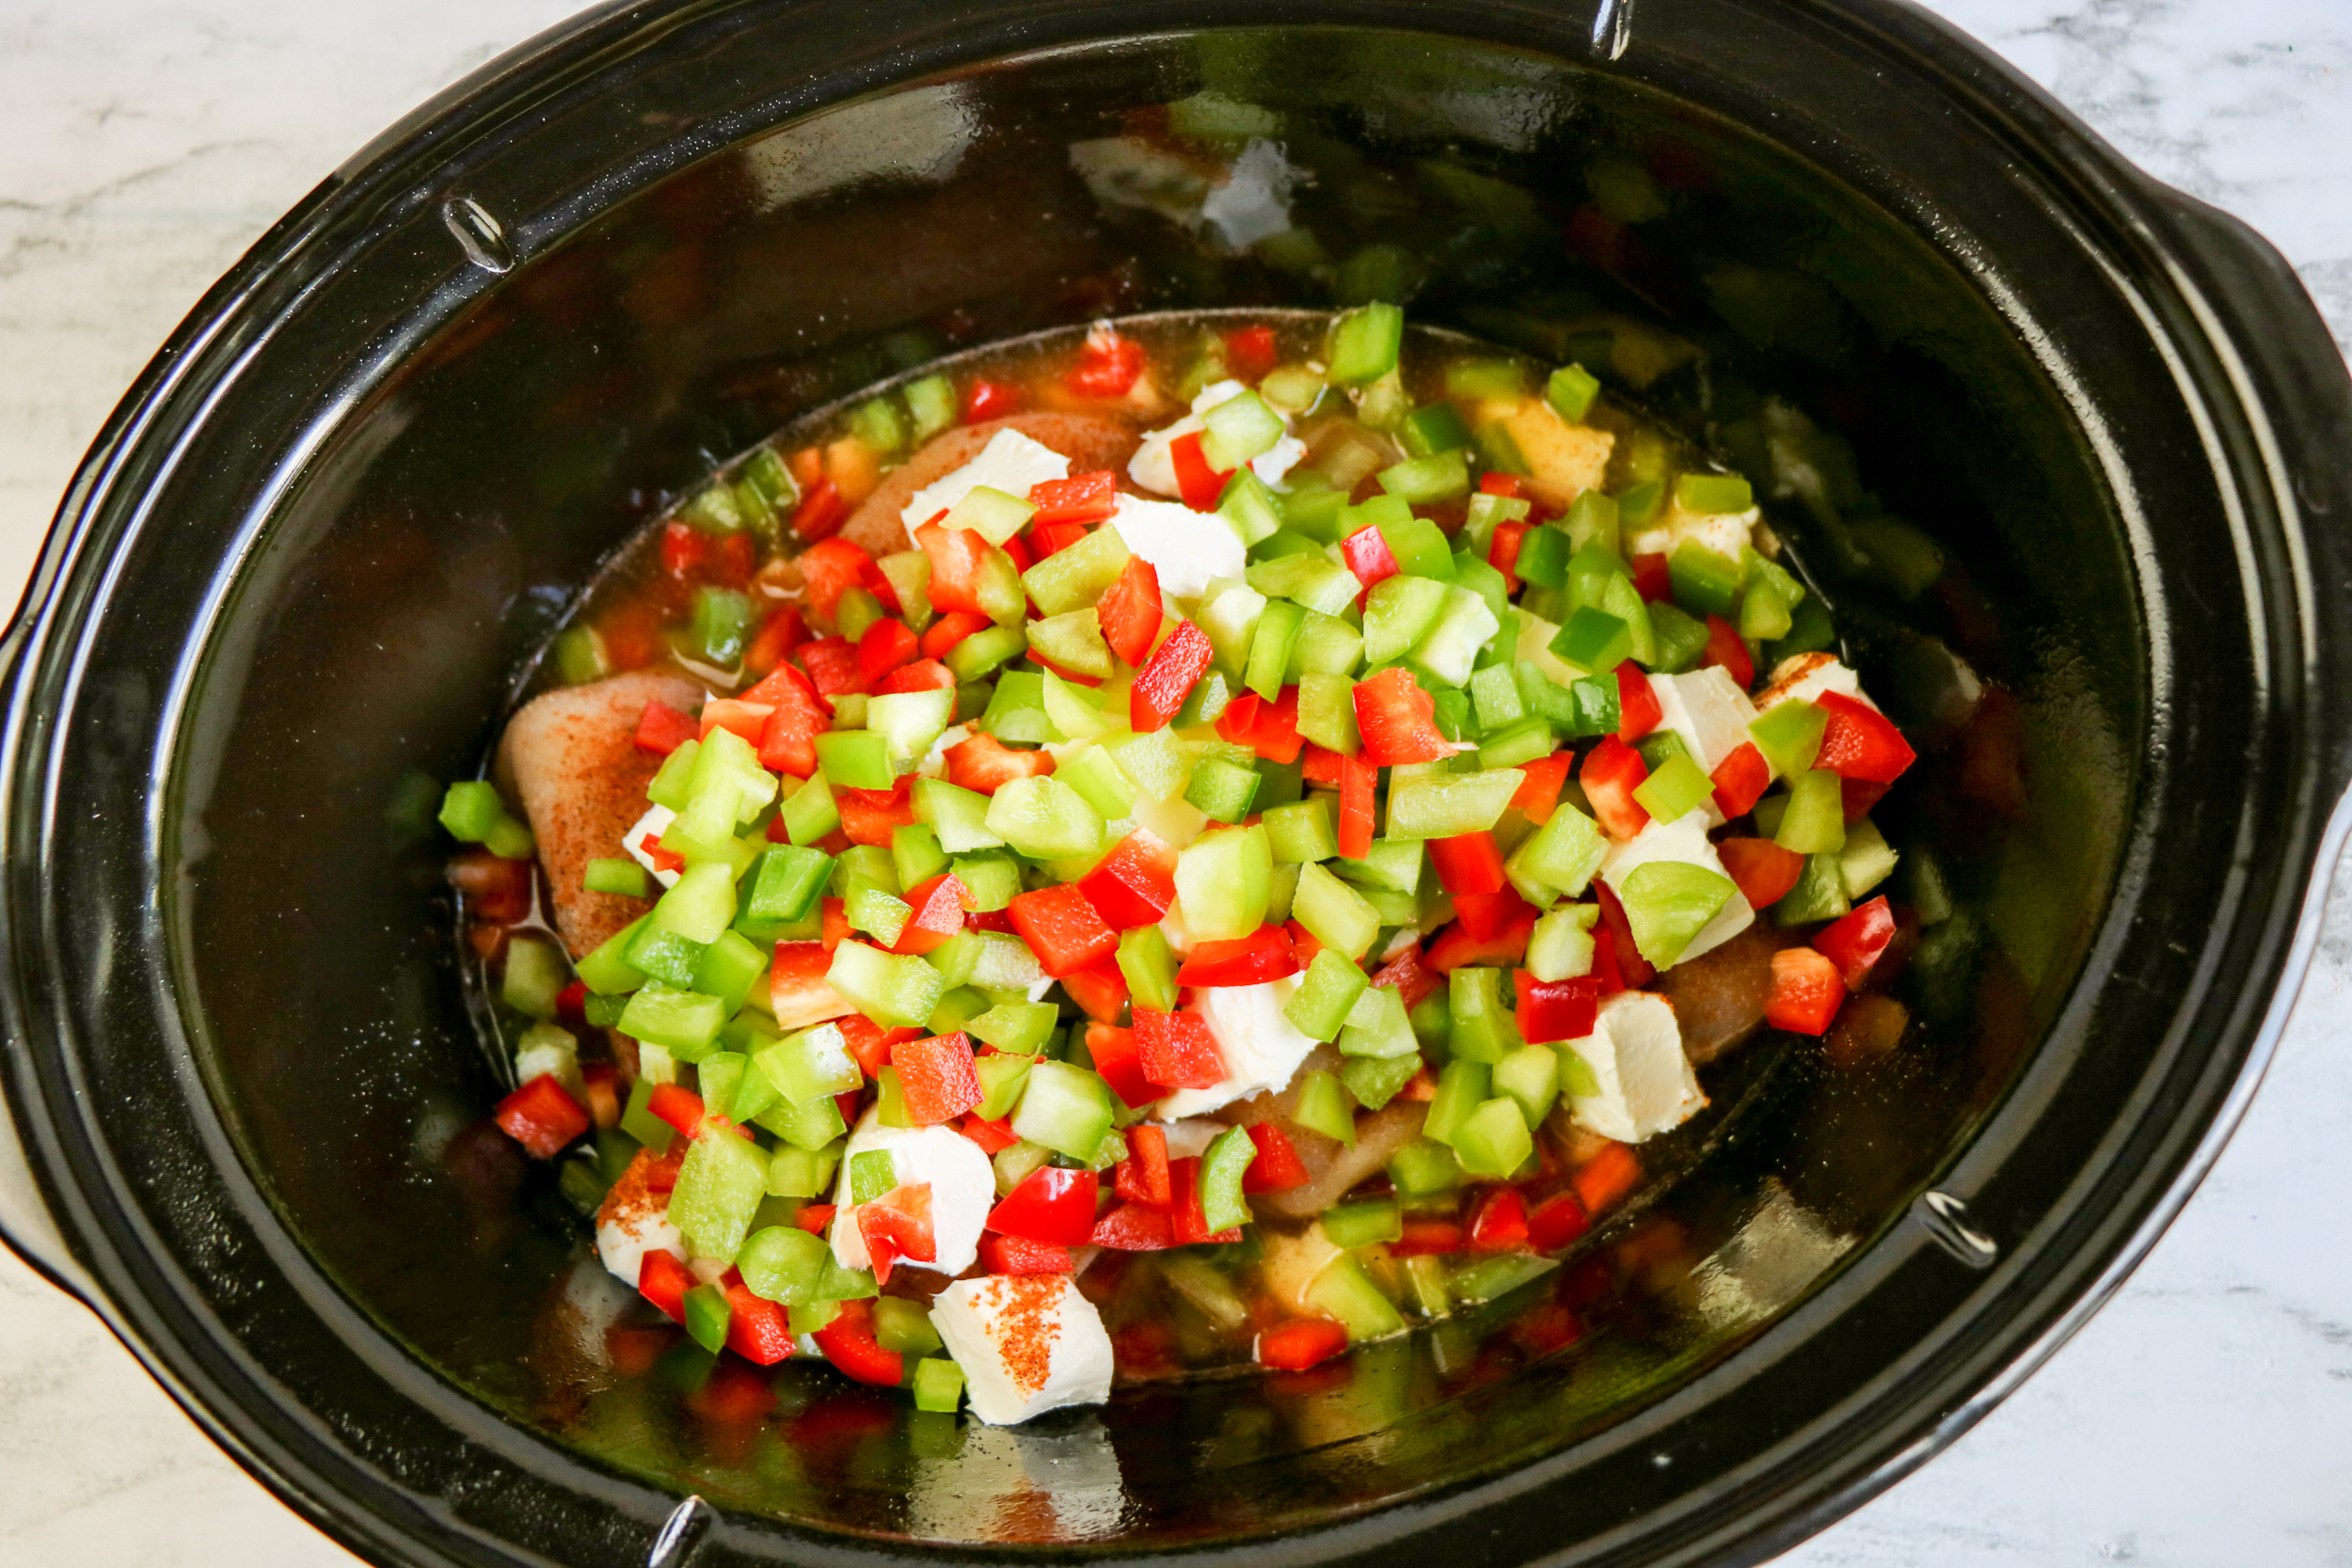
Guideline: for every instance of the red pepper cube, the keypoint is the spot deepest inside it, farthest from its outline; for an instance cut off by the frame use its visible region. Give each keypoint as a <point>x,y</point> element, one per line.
<point>1415,982</point>
<point>1268,728</point>
<point>1265,953</point>
<point>1638,710</point>
<point>1554,1010</point>
<point>1607,1177</point>
<point>745,721</point>
<point>993,1137</point>
<point>1653,576</point>
<point>1176,1051</point>
<point>1099,990</point>
<point>1278,1167</point>
<point>951,629</point>
<point>1080,499</point>
<point>1107,365</point>
<point>831,666</point>
<point>1129,611</point>
<point>1251,351</point>
<point>1018,1255</point>
<point>1200,485</point>
<point>1739,780</point>
<point>885,645</point>
<point>1367,556</point>
<point>985,763</point>
<point>1186,1221</point>
<point>1358,777</point>
<point>897,1224</point>
<point>777,636</point>
<point>1538,794</point>
<point>1489,915</point>
<point>1860,742</point>
<point>1134,1227</point>
<point>1426,1237</point>
<point>757,1329</point>
<point>1167,677</point>
<point>957,558</point>
<point>1725,647</point>
<point>924,674</point>
<point>1763,870</point>
<point>1806,992</point>
<point>849,1344</point>
<point>1460,943</point>
<point>1498,1220</point>
<point>1398,719</point>
<point>1467,864</point>
<point>990,400</point>
<point>663,1279</point>
<point>1050,1205</point>
<point>936,1079</point>
<point>1856,941</point>
<point>1556,1222</point>
<point>1061,929</point>
<point>1301,1343</point>
<point>1613,771</point>
<point>1142,1177</point>
<point>1134,884</point>
<point>832,568</point>
<point>1504,554</point>
<point>822,511</point>
<point>684,549</point>
<point>871,815</point>
<point>681,1108</point>
<point>1635,970</point>
<point>1113,1053</point>
<point>543,1117</point>
<point>1053,538</point>
<point>662,729</point>
<point>938,907</point>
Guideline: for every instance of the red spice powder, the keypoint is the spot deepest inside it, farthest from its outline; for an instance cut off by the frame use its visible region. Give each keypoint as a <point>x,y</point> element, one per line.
<point>1023,1325</point>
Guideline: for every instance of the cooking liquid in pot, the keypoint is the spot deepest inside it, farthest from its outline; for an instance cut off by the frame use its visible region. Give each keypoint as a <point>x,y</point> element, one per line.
<point>1549,582</point>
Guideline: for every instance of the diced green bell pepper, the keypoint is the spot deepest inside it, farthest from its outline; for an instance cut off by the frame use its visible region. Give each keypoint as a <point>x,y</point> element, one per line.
<point>1323,1105</point>
<point>1223,882</point>
<point>1483,1029</point>
<point>1493,1140</point>
<point>892,990</point>
<point>718,1188</point>
<point>1669,902</point>
<point>1065,1109</point>
<point>1447,805</point>
<point>1815,820</point>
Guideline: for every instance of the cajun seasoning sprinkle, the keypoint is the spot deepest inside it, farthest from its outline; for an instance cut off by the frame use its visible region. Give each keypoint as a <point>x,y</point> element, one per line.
<point>1024,1325</point>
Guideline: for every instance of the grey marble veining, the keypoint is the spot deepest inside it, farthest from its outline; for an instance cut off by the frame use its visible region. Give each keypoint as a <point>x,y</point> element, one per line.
<point>2205,1417</point>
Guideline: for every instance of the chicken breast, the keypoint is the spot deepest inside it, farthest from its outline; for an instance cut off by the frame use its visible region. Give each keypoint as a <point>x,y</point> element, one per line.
<point>570,758</point>
<point>1089,442</point>
<point>1332,1166</point>
<point>1719,997</point>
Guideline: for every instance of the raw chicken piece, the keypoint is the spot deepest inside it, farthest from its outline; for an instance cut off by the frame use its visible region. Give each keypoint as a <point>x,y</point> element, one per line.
<point>570,758</point>
<point>1718,996</point>
<point>1089,443</point>
<point>1332,1166</point>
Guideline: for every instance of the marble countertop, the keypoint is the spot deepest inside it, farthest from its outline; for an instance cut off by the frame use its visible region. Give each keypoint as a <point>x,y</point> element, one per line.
<point>2204,1416</point>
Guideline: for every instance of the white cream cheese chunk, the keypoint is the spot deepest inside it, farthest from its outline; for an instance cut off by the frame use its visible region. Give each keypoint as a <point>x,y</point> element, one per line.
<point>1261,1049</point>
<point>1645,1082</point>
<point>632,1222</point>
<point>963,1189</point>
<point>652,825</point>
<point>1683,839</point>
<point>1185,547</point>
<point>1010,462</point>
<point>1807,675</point>
<point>1707,709</point>
<point>1028,1343</point>
<point>1725,532</point>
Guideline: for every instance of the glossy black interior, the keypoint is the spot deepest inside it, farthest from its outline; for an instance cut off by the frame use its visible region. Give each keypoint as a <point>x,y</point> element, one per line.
<point>240,1054</point>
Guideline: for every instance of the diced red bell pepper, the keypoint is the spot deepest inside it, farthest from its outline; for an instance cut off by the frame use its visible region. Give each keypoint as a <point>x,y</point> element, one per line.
<point>1554,1010</point>
<point>1265,953</point>
<point>662,729</point>
<point>1142,1175</point>
<point>943,635</point>
<point>1278,1167</point>
<point>832,665</point>
<point>1051,538</point>
<point>886,645</point>
<point>1186,1219</point>
<point>733,714</point>
<point>1633,968</point>
<point>1305,944</point>
<point>897,1224</point>
<point>1270,729</point>
<point>957,556</point>
<point>831,569</point>
<point>1300,1343</point>
<point>849,1344</point>
<point>1504,554</point>
<point>571,1010</point>
<point>1431,1237</point>
<point>1557,1221</point>
<point>993,1137</point>
<point>1725,647</point>
<point>870,1044</point>
<point>1459,943</point>
<point>1856,941</point>
<point>1415,981</point>
<point>821,512</point>
<point>1061,929</point>
<point>1398,719</point>
<point>777,636</point>
<point>1050,1205</point>
<point>1538,794</point>
<point>1134,1227</point>
<point>1132,884</point>
<point>757,1329</point>
<point>1497,1220</point>
<point>1805,992</point>
<point>1860,742</point>
<point>1251,351</point>
<point>684,549</point>
<point>1467,864</point>
<point>681,1108</point>
<point>663,859</point>
<point>1497,482</point>
<point>1086,497</point>
<point>1175,1050</point>
<point>1198,484</point>
<point>1367,555</point>
<point>1739,780</point>
<point>1613,771</point>
<point>924,674</point>
<point>870,816</point>
<point>1113,1053</point>
<point>1168,677</point>
<point>1651,578</point>
<point>1487,915</point>
<point>936,1081</point>
<point>1358,777</point>
<point>543,1117</point>
<point>1856,796</point>
<point>1638,712</point>
<point>788,742</point>
<point>815,1218</point>
<point>1018,1255</point>
<point>1099,990</point>
<point>986,764</point>
<point>663,1279</point>
<point>1607,1177</point>
<point>1129,611</point>
<point>1107,365</point>
<point>1764,871</point>
<point>990,400</point>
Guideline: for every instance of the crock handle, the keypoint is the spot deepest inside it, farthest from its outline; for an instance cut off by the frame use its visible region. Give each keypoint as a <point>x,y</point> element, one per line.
<point>2302,385</point>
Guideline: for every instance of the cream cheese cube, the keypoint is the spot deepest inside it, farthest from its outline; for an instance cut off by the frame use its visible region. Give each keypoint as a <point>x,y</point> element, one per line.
<point>1275,461</point>
<point>1028,1343</point>
<point>1707,709</point>
<point>1645,1082</point>
<point>963,1189</point>
<point>1725,532</point>
<point>1153,467</point>
<point>1807,675</point>
<point>652,825</point>
<point>634,1221</point>
<point>1010,462</point>
<point>1262,1050</point>
<point>1185,547</point>
<point>1683,839</point>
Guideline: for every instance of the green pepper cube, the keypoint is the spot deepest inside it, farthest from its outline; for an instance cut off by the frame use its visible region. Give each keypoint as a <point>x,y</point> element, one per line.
<point>681,1021</point>
<point>1675,790</point>
<point>1531,1076</point>
<point>1223,1167</point>
<point>728,969</point>
<point>1221,790</point>
<point>1571,392</point>
<point>1419,546</point>
<point>796,1172</point>
<point>856,759</point>
<point>1669,902</point>
<point>1240,428</point>
<point>1712,494</point>
<point>1066,1109</point>
<point>1368,1223</point>
<point>1302,831</point>
<point>719,1189</point>
<point>814,1126</point>
<point>811,815</point>
<point>1493,1140</point>
<point>938,1386</point>
<point>1376,1026</point>
<point>1018,1027</point>
<point>812,1064</point>
<point>1815,820</point>
<point>783,1264</point>
<point>1424,1168</point>
<point>470,810</point>
<point>1224,880</point>
<point>1483,1029</point>
<point>1364,344</point>
<point>1337,914</point>
<point>894,991</point>
<point>1561,945</point>
<point>1149,967</point>
<point>1594,640</point>
<point>1326,995</point>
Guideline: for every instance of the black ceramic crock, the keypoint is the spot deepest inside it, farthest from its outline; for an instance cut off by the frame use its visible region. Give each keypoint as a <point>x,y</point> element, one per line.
<point>310,553</point>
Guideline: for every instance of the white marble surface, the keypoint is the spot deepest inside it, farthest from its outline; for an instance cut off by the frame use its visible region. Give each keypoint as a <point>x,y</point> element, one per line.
<point>2205,1417</point>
